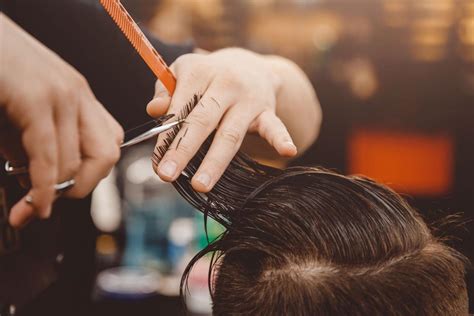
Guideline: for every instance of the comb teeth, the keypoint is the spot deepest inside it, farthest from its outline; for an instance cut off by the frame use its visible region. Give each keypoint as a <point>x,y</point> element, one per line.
<point>140,43</point>
<point>171,135</point>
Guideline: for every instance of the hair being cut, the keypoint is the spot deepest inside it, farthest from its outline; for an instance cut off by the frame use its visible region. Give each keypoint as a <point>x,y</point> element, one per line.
<point>306,241</point>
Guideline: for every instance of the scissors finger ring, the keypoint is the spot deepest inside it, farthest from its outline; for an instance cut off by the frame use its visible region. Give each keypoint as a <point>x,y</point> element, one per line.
<point>11,171</point>
<point>60,187</point>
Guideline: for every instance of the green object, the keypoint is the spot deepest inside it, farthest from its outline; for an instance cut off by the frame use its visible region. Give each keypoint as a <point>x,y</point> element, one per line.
<point>214,230</point>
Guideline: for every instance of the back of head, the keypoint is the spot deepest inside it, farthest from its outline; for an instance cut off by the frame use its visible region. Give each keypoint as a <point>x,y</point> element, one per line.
<point>317,243</point>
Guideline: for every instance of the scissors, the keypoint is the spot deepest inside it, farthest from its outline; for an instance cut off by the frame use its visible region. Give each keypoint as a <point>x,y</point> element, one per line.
<point>158,126</point>
<point>154,61</point>
<point>132,137</point>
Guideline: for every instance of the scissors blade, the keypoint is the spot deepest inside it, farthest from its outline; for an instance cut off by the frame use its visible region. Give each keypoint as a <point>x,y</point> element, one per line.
<point>151,133</point>
<point>134,132</point>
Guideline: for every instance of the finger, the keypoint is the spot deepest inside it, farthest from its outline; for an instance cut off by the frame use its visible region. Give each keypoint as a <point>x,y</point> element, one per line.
<point>225,145</point>
<point>91,171</point>
<point>158,106</point>
<point>186,87</point>
<point>272,129</point>
<point>99,145</point>
<point>191,80</point>
<point>69,157</point>
<point>161,101</point>
<point>199,124</point>
<point>21,218</point>
<point>39,140</point>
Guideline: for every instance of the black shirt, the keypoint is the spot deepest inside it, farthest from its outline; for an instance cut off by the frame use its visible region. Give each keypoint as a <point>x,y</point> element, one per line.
<point>82,33</point>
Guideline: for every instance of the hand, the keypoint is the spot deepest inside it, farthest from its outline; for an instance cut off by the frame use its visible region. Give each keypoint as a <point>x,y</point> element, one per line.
<point>51,122</point>
<point>239,95</point>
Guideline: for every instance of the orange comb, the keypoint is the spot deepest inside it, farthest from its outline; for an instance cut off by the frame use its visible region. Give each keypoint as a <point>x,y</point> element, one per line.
<point>141,44</point>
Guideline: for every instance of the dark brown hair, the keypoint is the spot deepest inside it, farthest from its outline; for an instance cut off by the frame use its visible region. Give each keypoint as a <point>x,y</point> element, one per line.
<point>306,241</point>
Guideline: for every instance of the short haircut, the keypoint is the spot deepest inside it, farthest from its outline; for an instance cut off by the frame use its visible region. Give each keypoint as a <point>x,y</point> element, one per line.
<point>316,243</point>
<point>306,241</point>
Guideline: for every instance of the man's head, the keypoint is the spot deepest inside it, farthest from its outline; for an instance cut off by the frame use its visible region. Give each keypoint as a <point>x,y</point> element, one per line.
<point>311,242</point>
<point>305,241</point>
<point>316,243</point>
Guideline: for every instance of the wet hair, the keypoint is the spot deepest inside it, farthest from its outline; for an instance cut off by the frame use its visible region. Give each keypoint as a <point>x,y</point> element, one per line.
<point>307,241</point>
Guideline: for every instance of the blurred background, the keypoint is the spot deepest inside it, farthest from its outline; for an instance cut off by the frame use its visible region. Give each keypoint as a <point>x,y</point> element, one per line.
<point>395,79</point>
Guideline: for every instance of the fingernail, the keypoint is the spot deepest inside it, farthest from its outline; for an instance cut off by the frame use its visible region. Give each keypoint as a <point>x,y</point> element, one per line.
<point>168,168</point>
<point>204,179</point>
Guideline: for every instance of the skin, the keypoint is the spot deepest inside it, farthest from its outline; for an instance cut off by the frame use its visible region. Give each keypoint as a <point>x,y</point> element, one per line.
<point>51,121</point>
<point>249,99</point>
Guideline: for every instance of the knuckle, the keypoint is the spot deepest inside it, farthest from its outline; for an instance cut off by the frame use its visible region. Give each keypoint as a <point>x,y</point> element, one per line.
<point>230,135</point>
<point>230,80</point>
<point>265,104</point>
<point>71,168</point>
<point>185,150</point>
<point>214,165</point>
<point>113,156</point>
<point>80,82</point>
<point>63,91</point>
<point>72,88</point>
<point>108,156</point>
<point>42,158</point>
<point>200,118</point>
<point>193,73</point>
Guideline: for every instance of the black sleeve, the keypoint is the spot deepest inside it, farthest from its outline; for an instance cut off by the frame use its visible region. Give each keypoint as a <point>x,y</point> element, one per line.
<point>83,34</point>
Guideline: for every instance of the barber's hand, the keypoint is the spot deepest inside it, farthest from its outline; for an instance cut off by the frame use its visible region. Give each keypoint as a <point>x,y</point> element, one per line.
<point>239,92</point>
<point>51,122</point>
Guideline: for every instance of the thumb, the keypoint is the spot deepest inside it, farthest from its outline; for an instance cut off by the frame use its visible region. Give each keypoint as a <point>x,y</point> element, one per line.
<point>161,101</point>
